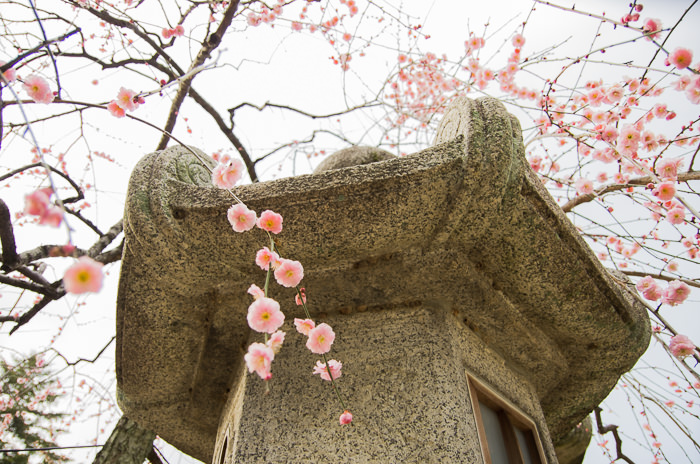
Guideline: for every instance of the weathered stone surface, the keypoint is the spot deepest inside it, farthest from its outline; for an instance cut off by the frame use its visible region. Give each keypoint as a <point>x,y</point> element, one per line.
<point>571,448</point>
<point>353,156</point>
<point>464,225</point>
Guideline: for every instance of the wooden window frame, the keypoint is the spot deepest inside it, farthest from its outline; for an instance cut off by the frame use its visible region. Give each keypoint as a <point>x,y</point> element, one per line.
<point>509,417</point>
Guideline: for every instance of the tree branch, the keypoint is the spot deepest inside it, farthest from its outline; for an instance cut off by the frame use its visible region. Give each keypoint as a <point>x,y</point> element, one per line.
<point>7,236</point>
<point>228,132</point>
<point>602,430</point>
<point>209,45</point>
<point>571,204</point>
<point>660,277</point>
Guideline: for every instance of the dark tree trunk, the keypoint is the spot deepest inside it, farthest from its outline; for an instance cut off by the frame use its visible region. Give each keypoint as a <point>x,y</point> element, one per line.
<point>128,444</point>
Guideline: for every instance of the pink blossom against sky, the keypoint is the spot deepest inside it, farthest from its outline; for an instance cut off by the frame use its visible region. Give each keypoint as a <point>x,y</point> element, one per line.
<point>85,276</point>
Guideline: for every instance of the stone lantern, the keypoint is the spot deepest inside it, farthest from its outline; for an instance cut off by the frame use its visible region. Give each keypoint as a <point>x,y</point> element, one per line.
<point>473,322</point>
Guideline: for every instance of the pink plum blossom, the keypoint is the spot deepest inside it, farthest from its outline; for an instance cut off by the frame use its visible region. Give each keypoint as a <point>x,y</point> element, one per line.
<point>275,342</point>
<point>651,28</point>
<point>38,89</point>
<point>664,191</point>
<point>345,417</point>
<point>680,58</point>
<point>264,257</point>
<point>116,110</point>
<point>675,293</point>
<point>289,273</point>
<point>270,221</point>
<point>179,31</point>
<point>518,41</point>
<point>10,75</point>
<point>650,290</point>
<point>583,186</point>
<point>84,276</point>
<point>37,202</point>
<point>304,326</point>
<point>668,168</point>
<point>676,215</point>
<point>320,339</point>
<point>264,315</point>
<point>256,291</point>
<point>333,365</point>
<point>225,175</point>
<point>126,99</point>
<point>51,217</point>
<point>241,218</point>
<point>259,360</point>
<point>645,283</point>
<point>681,346</point>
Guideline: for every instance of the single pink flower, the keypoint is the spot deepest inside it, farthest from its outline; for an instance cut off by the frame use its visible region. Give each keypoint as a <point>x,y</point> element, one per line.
<point>645,284</point>
<point>270,221</point>
<point>668,168</point>
<point>652,293</point>
<point>51,217</point>
<point>289,273</point>
<point>275,342</point>
<point>304,326</point>
<point>38,89</point>
<point>651,28</point>
<point>681,346</point>
<point>256,291</point>
<point>264,315</point>
<point>37,202</point>
<point>179,31</point>
<point>264,257</point>
<point>10,75</point>
<point>335,367</point>
<point>320,339</point>
<point>166,33</point>
<point>125,99</point>
<point>676,293</point>
<point>583,186</point>
<point>664,191</point>
<point>241,218</point>
<point>345,417</point>
<point>84,276</point>
<point>296,26</point>
<point>226,175</point>
<point>116,110</point>
<point>518,41</point>
<point>680,58</point>
<point>676,215</point>
<point>259,360</point>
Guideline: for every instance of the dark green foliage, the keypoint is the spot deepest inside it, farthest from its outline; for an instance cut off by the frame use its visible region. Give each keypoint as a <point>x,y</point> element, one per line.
<point>27,390</point>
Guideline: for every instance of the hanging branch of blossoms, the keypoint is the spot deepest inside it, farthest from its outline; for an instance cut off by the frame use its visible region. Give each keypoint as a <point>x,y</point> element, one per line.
<point>264,314</point>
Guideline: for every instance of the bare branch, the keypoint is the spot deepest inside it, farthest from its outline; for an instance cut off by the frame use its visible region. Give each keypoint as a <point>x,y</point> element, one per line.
<point>209,46</point>
<point>602,430</point>
<point>228,132</point>
<point>7,235</point>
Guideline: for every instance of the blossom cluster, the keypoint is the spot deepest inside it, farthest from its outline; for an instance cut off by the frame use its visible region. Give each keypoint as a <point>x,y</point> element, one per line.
<point>264,313</point>
<point>127,100</point>
<point>38,204</point>
<point>177,31</point>
<point>675,293</point>
<point>681,346</point>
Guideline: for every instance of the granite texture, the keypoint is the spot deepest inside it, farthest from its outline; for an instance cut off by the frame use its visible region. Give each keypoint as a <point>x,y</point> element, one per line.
<point>464,226</point>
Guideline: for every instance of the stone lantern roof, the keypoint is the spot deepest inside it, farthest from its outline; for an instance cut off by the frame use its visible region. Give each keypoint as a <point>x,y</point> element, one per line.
<point>465,224</point>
